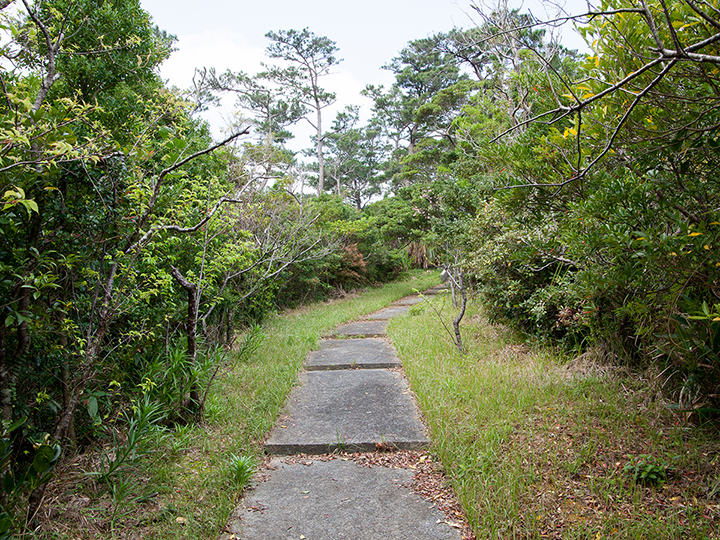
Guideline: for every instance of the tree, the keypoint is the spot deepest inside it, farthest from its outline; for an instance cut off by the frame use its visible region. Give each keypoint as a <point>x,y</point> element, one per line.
<point>404,112</point>
<point>104,180</point>
<point>274,109</point>
<point>310,57</point>
<point>273,112</point>
<point>354,155</point>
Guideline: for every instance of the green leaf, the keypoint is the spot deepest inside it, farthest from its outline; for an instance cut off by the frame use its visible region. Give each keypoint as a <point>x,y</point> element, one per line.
<point>8,482</point>
<point>92,407</point>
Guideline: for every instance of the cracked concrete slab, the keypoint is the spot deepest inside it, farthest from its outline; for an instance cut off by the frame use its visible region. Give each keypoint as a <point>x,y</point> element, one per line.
<point>365,353</point>
<point>408,301</point>
<point>362,328</point>
<point>337,500</point>
<point>388,313</point>
<point>352,410</point>
<point>436,290</point>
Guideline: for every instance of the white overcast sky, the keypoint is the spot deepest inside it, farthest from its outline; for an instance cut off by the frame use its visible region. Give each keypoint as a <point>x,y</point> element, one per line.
<point>369,33</point>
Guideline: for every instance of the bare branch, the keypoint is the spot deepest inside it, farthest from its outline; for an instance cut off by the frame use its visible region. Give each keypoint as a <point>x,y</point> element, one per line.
<point>582,104</point>
<point>52,50</point>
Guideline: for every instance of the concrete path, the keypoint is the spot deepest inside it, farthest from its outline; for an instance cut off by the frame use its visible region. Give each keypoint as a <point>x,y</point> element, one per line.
<point>334,500</point>
<point>366,353</point>
<point>348,411</point>
<point>352,398</point>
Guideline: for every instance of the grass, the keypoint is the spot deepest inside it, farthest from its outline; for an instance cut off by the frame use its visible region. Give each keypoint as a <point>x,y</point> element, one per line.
<point>190,485</point>
<point>536,445</point>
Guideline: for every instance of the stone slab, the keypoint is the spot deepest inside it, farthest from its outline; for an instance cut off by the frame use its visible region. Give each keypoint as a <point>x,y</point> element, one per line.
<point>388,313</point>
<point>351,410</point>
<point>364,353</point>
<point>436,290</point>
<point>337,500</point>
<point>408,301</point>
<point>362,328</point>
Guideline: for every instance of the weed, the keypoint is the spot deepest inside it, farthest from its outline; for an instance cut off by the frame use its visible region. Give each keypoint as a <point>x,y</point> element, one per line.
<point>340,438</point>
<point>646,469</point>
<point>180,438</point>
<point>141,425</point>
<point>121,489</point>
<point>241,469</point>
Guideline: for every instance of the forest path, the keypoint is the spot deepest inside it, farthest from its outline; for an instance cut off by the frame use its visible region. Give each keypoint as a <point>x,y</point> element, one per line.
<point>352,397</point>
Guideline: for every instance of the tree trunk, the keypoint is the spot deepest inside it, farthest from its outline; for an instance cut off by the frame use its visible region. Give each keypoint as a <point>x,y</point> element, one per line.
<point>456,320</point>
<point>190,323</point>
<point>92,353</point>
<point>5,387</point>
<point>66,392</point>
<point>321,159</point>
<point>23,332</point>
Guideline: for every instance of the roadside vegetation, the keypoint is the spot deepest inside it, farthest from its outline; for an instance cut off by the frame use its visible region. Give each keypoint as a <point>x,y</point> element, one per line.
<point>539,444</point>
<point>188,480</point>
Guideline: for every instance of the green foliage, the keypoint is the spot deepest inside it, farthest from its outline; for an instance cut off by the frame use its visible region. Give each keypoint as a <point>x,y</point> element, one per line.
<point>168,379</point>
<point>646,469</point>
<point>692,348</point>
<point>20,481</point>
<point>598,229</point>
<point>241,468</point>
<point>141,422</point>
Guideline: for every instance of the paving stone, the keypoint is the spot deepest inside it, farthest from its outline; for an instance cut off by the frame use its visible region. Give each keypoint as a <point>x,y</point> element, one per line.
<point>408,301</point>
<point>363,353</point>
<point>362,328</point>
<point>337,500</point>
<point>388,313</point>
<point>436,290</point>
<point>351,410</point>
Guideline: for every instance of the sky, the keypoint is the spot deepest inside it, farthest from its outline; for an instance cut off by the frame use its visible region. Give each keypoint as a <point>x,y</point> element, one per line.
<point>230,34</point>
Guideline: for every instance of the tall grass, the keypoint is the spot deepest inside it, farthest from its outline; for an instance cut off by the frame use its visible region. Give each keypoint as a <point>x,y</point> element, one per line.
<point>535,444</point>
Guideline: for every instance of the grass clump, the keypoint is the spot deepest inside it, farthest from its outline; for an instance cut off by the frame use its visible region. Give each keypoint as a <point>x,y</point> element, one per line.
<point>537,445</point>
<point>241,468</point>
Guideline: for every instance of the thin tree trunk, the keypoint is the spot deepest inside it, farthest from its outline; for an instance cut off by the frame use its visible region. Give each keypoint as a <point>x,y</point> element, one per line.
<point>321,159</point>
<point>92,353</point>
<point>459,317</point>
<point>452,290</point>
<point>190,323</point>
<point>66,393</point>
<point>23,332</point>
<point>5,387</point>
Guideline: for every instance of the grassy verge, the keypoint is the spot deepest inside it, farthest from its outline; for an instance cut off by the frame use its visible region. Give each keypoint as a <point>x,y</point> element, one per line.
<point>190,484</point>
<point>537,446</point>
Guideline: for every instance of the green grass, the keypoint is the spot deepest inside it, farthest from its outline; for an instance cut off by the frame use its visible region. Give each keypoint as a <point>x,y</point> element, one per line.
<point>535,444</point>
<point>190,485</point>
